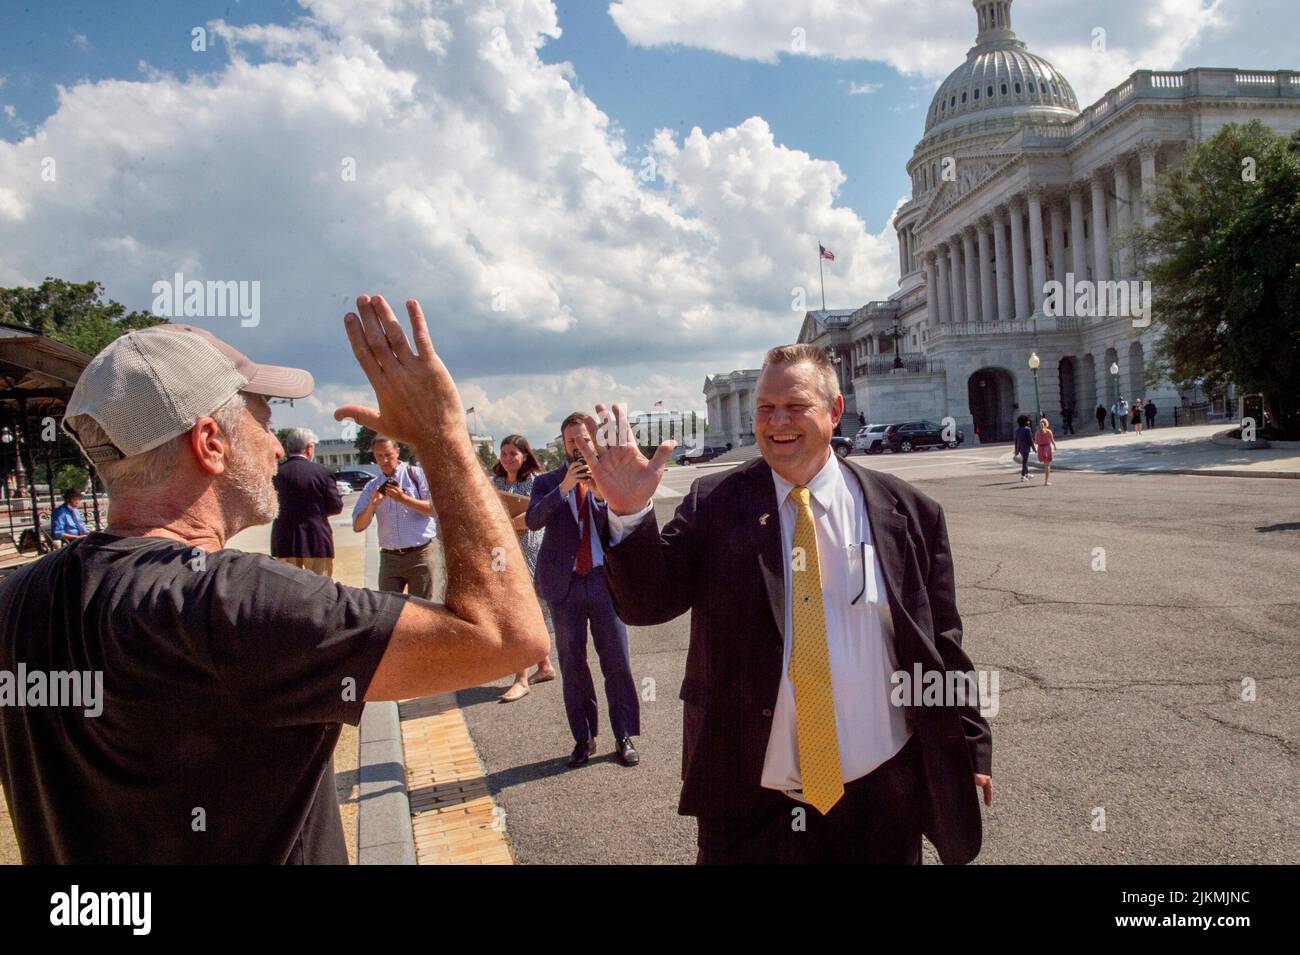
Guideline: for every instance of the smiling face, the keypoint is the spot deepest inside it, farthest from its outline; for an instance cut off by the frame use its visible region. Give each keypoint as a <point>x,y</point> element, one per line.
<point>792,423</point>
<point>512,459</point>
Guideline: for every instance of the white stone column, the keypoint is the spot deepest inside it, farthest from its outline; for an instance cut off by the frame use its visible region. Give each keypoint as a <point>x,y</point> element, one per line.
<point>1123,215</point>
<point>1037,255</point>
<point>1100,239</point>
<point>986,271</point>
<point>942,269</point>
<point>1056,216</point>
<point>1003,263</point>
<point>1147,158</point>
<point>932,290</point>
<point>969,279</point>
<point>1019,267</point>
<point>954,279</point>
<point>1078,244</point>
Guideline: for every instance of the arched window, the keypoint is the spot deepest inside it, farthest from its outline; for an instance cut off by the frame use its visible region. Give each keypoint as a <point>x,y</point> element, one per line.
<point>1031,87</point>
<point>990,90</point>
<point>977,92</point>
<point>1004,89</point>
<point>1017,89</point>
<point>963,97</point>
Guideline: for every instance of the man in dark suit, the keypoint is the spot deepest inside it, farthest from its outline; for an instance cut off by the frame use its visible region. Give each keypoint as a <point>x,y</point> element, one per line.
<point>571,578</point>
<point>309,497</point>
<point>820,594</point>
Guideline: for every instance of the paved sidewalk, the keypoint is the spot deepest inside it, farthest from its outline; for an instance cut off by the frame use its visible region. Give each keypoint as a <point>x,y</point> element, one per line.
<point>1186,450</point>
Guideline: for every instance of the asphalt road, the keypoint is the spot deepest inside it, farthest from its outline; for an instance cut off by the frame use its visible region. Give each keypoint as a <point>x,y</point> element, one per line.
<point>1120,690</point>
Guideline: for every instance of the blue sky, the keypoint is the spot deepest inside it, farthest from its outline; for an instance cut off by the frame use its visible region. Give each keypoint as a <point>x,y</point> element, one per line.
<point>502,188</point>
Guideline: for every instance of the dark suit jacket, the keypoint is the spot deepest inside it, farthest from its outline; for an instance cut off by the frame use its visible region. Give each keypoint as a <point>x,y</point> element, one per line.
<point>719,560</point>
<point>548,509</point>
<point>308,498</point>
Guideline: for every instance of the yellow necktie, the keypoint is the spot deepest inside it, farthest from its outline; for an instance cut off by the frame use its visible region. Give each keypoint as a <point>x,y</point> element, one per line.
<point>810,668</point>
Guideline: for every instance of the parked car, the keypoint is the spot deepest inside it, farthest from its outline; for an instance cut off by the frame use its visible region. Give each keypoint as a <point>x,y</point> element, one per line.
<point>841,445</point>
<point>910,435</point>
<point>689,455</point>
<point>870,439</point>
<point>344,487</point>
<point>355,478</point>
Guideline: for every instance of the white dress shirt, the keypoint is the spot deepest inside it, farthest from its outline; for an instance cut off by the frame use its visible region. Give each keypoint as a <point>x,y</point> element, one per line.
<point>858,636</point>
<point>597,552</point>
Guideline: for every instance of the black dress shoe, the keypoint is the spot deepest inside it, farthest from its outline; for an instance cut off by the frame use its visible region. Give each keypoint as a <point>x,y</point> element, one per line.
<point>582,753</point>
<point>627,753</point>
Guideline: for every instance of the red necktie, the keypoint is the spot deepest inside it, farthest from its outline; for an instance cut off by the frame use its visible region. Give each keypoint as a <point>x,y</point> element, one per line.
<point>584,539</point>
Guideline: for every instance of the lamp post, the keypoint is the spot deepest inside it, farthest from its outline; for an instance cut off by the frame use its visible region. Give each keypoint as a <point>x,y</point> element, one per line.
<point>1114,378</point>
<point>1034,362</point>
<point>897,333</point>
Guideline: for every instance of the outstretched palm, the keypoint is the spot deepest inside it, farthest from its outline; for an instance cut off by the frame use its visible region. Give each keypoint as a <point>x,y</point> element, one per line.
<point>625,477</point>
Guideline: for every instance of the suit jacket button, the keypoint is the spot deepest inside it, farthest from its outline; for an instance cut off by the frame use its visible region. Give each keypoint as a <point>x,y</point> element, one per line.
<point>767,713</point>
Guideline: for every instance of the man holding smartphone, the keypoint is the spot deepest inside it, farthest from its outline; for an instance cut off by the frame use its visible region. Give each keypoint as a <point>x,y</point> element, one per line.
<point>409,555</point>
<point>571,578</point>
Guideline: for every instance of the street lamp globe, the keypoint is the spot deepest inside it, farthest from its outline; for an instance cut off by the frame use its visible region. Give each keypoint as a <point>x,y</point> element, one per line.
<point>1034,361</point>
<point>1114,368</point>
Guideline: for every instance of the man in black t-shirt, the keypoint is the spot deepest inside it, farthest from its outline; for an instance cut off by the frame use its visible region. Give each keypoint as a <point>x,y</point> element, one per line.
<point>164,699</point>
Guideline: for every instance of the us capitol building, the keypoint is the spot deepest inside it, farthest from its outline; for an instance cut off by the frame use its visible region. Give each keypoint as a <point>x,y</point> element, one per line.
<point>1012,187</point>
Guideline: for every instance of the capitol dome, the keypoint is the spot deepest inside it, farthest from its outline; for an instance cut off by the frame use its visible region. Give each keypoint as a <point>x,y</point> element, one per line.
<point>1000,79</point>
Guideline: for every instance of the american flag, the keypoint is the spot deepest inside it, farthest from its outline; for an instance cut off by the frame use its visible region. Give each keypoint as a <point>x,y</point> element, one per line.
<point>825,252</point>
<point>659,404</point>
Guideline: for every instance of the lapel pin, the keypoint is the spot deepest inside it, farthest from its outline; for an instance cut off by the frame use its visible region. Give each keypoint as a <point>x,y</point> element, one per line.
<point>763,520</point>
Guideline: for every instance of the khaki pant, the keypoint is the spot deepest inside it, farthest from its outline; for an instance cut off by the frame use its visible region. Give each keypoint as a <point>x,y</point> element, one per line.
<point>317,565</point>
<point>421,573</point>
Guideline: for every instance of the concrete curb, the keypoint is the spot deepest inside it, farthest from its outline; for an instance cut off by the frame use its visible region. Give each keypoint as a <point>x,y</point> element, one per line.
<point>1006,459</point>
<point>384,835</point>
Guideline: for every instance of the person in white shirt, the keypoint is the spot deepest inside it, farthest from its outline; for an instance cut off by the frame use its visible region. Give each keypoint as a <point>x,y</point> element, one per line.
<point>817,588</point>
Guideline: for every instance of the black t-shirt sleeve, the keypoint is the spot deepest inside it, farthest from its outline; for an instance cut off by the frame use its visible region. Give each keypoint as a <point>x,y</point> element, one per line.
<point>292,647</point>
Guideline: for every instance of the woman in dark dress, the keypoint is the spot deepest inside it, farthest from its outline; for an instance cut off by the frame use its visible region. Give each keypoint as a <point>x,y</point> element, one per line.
<point>514,471</point>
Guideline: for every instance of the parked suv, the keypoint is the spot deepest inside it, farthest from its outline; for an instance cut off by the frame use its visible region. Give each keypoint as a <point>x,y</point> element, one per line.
<point>355,477</point>
<point>870,439</point>
<point>910,435</point>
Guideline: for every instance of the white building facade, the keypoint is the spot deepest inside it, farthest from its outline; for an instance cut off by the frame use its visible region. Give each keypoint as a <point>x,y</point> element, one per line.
<point>1014,187</point>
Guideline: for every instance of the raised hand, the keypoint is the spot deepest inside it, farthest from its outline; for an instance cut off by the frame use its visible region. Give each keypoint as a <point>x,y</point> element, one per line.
<point>623,476</point>
<point>418,401</point>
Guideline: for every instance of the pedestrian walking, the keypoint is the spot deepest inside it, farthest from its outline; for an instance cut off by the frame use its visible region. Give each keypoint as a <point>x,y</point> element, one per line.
<point>1024,444</point>
<point>1067,414</point>
<point>1149,409</point>
<point>1046,442</point>
<point>517,466</point>
<point>1101,417</point>
<point>1137,415</point>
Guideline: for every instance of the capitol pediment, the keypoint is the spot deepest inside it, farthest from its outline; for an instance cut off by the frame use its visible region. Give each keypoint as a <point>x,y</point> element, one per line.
<point>971,172</point>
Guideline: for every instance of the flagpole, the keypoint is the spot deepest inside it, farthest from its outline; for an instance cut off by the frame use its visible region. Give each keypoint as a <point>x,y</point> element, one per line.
<point>821,277</point>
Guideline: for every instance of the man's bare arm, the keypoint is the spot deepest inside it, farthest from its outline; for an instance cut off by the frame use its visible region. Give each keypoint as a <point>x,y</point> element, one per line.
<point>491,623</point>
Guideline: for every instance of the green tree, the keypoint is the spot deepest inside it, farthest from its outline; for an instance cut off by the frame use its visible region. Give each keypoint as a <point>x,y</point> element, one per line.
<point>487,456</point>
<point>71,477</point>
<point>1224,261</point>
<point>74,313</point>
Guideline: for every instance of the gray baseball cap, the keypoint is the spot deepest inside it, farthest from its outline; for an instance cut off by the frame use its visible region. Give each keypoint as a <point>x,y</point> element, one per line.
<point>152,384</point>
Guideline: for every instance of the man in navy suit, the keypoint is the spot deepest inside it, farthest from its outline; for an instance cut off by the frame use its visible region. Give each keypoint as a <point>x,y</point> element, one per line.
<point>571,578</point>
<point>309,497</point>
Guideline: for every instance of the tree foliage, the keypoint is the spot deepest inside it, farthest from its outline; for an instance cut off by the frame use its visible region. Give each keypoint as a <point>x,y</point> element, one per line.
<point>74,313</point>
<point>1223,257</point>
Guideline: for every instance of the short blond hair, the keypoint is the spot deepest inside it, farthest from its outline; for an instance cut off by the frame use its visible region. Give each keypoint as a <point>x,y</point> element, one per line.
<point>795,354</point>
